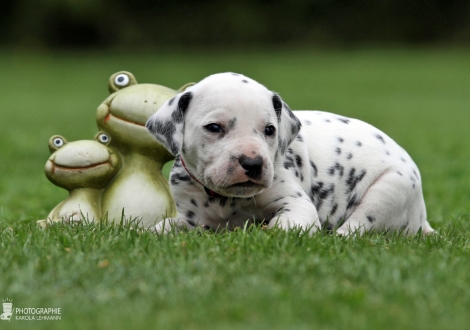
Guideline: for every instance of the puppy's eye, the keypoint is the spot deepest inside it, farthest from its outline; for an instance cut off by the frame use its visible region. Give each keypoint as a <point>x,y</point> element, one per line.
<point>269,130</point>
<point>214,128</point>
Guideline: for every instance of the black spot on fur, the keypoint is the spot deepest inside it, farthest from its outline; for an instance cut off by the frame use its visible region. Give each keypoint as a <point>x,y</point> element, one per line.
<point>289,162</point>
<point>308,122</point>
<point>336,167</point>
<point>314,168</point>
<point>333,210</point>
<point>282,145</point>
<point>245,81</point>
<point>354,179</point>
<point>326,192</point>
<point>316,186</point>
<point>177,162</point>
<point>192,223</point>
<point>359,143</point>
<point>380,138</point>
<point>294,128</point>
<point>350,156</point>
<point>319,192</point>
<point>176,178</point>
<point>277,104</point>
<point>340,139</point>
<point>193,201</point>
<point>338,151</point>
<point>327,121</point>
<point>299,138</point>
<point>166,130</point>
<point>403,160</point>
<point>352,201</point>
<point>231,123</point>
<point>371,219</point>
<point>190,214</point>
<point>170,102</point>
<point>206,203</point>
<point>222,201</point>
<point>230,170</point>
<point>343,120</point>
<point>299,194</point>
<point>298,161</point>
<point>183,104</point>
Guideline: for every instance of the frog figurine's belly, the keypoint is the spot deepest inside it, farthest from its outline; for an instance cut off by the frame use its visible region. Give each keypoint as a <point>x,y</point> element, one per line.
<point>141,193</point>
<point>81,204</point>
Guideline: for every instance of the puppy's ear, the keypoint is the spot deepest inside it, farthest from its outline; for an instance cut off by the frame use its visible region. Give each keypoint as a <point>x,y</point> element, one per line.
<point>168,122</point>
<point>289,124</point>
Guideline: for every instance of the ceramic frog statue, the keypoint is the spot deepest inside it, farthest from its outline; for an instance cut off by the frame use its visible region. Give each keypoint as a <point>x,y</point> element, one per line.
<point>84,168</point>
<point>139,191</point>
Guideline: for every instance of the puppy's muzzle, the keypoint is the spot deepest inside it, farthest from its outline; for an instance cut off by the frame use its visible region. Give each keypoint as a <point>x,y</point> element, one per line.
<point>253,166</point>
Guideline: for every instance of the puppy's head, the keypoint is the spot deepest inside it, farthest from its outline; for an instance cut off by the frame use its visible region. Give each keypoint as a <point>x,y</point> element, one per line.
<point>229,130</point>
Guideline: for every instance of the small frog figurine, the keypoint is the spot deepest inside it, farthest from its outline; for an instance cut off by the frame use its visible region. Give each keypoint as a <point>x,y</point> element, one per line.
<point>139,191</point>
<point>84,168</point>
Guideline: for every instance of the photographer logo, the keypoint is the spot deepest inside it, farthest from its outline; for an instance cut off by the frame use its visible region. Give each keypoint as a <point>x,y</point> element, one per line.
<point>7,310</point>
<point>29,313</point>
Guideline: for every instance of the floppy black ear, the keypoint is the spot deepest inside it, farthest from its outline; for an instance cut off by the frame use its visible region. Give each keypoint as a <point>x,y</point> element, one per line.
<point>289,124</point>
<point>168,122</point>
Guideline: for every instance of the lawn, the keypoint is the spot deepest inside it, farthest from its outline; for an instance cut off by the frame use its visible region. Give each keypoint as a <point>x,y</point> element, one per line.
<point>111,277</point>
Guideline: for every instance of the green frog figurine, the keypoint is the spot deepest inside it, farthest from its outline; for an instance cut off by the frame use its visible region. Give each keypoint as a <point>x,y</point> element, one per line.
<point>139,191</point>
<point>84,168</point>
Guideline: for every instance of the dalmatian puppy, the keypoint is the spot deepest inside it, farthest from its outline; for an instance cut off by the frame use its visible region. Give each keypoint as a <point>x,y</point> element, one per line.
<point>243,155</point>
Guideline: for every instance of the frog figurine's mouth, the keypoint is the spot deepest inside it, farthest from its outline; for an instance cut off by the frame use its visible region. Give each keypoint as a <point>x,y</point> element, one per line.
<point>62,167</point>
<point>112,115</point>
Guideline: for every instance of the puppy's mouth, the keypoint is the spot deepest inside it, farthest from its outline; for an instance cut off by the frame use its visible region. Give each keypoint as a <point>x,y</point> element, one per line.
<point>242,189</point>
<point>246,185</point>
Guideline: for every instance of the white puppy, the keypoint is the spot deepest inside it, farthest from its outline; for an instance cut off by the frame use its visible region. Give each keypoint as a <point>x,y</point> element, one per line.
<point>243,155</point>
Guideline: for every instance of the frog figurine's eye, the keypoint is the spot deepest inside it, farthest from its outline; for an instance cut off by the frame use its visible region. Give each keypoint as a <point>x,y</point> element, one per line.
<point>102,138</point>
<point>121,80</point>
<point>58,142</point>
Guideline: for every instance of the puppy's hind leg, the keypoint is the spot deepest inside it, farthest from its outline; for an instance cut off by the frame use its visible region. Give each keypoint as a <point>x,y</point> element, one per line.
<point>392,202</point>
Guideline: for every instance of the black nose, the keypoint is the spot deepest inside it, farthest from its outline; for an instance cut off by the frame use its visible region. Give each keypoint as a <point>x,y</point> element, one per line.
<point>253,166</point>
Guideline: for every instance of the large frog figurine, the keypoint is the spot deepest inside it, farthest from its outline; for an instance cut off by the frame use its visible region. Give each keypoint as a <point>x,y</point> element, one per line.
<point>139,191</point>
<point>84,168</point>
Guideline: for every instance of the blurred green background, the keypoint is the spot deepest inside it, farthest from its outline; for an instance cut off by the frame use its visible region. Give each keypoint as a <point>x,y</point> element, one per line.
<point>129,24</point>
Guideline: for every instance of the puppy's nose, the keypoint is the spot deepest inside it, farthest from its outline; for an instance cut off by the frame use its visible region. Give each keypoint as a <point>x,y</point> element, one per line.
<point>253,166</point>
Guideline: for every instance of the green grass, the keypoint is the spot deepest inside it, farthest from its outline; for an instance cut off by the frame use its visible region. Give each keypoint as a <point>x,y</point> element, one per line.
<point>103,276</point>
